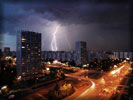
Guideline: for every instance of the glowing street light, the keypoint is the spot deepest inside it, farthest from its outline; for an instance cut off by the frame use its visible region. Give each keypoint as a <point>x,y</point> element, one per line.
<point>4,90</point>
<point>47,69</point>
<point>4,87</point>
<point>127,58</point>
<point>115,66</point>
<point>19,78</point>
<point>130,69</point>
<point>48,63</point>
<point>103,81</point>
<point>55,62</point>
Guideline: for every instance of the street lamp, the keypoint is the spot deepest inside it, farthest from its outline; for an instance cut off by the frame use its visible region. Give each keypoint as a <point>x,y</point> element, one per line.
<point>115,66</point>
<point>19,78</point>
<point>4,87</point>
<point>103,81</point>
<point>47,69</point>
<point>4,90</point>
<point>127,58</point>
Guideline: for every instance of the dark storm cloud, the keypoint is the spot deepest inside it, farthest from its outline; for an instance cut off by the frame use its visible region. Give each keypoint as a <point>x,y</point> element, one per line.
<point>84,13</point>
<point>105,20</point>
<point>73,13</point>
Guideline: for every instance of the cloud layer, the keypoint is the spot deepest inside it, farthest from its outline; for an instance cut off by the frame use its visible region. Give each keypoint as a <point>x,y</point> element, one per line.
<point>104,25</point>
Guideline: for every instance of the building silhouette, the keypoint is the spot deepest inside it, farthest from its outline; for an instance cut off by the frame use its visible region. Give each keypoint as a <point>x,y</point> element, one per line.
<point>81,53</point>
<point>7,51</point>
<point>28,54</point>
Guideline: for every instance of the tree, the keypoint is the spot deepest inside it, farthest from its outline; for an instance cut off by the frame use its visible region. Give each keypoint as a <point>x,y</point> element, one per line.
<point>10,61</point>
<point>72,63</point>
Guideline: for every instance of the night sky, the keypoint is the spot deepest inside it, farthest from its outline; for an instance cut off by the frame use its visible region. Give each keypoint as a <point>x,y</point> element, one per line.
<point>103,25</point>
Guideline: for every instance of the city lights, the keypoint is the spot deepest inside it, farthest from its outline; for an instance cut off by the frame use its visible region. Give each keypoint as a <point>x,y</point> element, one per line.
<point>127,58</point>
<point>93,84</point>
<point>55,62</point>
<point>47,69</point>
<point>4,87</point>
<point>115,66</point>
<point>59,50</point>
<point>19,78</point>
<point>102,81</point>
<point>117,70</point>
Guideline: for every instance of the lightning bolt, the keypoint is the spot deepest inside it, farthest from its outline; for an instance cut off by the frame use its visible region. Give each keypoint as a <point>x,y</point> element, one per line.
<point>53,43</point>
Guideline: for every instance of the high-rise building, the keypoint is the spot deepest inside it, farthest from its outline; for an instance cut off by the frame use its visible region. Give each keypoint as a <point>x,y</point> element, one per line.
<point>131,55</point>
<point>44,55</point>
<point>63,56</point>
<point>126,54</point>
<point>122,55</point>
<point>0,54</point>
<point>116,55</point>
<point>0,58</point>
<point>28,54</point>
<point>7,51</point>
<point>58,55</point>
<point>70,56</point>
<point>81,53</point>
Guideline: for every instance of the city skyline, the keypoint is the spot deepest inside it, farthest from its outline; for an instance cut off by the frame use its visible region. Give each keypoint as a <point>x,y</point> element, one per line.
<point>66,50</point>
<point>103,25</point>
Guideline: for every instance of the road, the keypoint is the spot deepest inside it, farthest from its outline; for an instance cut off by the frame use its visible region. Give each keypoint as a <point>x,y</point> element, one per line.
<point>36,94</point>
<point>101,88</point>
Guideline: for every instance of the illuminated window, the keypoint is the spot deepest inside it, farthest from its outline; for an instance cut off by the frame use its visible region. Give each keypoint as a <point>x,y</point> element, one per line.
<point>23,46</point>
<point>23,39</point>
<point>27,46</point>
<point>23,63</point>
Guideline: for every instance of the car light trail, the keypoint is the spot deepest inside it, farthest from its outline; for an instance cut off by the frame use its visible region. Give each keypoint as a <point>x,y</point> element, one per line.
<point>53,43</point>
<point>92,86</point>
<point>118,70</point>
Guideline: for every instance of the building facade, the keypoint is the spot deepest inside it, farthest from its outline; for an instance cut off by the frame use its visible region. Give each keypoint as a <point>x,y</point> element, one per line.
<point>123,55</point>
<point>81,53</point>
<point>28,54</point>
<point>0,54</point>
<point>59,55</point>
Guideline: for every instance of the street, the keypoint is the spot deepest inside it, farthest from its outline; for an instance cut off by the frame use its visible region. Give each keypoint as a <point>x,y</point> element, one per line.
<point>86,88</point>
<point>103,88</point>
